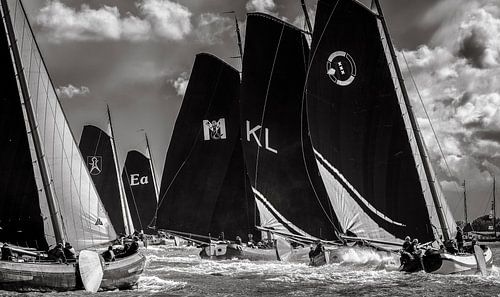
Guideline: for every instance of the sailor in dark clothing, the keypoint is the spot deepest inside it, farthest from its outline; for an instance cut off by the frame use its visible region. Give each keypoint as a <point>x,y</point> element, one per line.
<point>238,240</point>
<point>251,242</point>
<point>57,254</point>
<point>407,243</point>
<point>460,240</point>
<point>134,246</point>
<point>69,251</point>
<point>109,255</point>
<point>6,253</point>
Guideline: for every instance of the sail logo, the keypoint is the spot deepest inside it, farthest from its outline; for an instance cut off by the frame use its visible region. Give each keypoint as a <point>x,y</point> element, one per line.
<point>252,132</point>
<point>213,130</point>
<point>95,164</point>
<point>136,179</point>
<point>341,68</point>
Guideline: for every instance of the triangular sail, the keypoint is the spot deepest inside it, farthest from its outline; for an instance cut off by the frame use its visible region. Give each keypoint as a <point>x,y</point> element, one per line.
<point>96,149</point>
<point>364,145</point>
<point>53,149</point>
<point>138,180</point>
<point>277,148</point>
<point>204,188</point>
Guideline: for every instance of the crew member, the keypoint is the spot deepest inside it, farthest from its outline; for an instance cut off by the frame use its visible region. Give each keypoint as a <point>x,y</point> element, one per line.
<point>460,240</point>
<point>251,242</point>
<point>69,251</point>
<point>109,255</point>
<point>238,240</point>
<point>6,253</point>
<point>57,253</point>
<point>406,244</point>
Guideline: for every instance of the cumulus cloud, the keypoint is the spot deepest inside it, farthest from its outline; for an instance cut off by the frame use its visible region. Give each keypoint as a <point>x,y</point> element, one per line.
<point>261,5</point>
<point>458,78</point>
<point>211,27</point>
<point>169,19</point>
<point>162,19</point>
<point>71,91</point>
<point>180,84</point>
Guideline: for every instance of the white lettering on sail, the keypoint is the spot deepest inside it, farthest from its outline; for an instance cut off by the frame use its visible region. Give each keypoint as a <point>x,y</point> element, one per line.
<point>213,130</point>
<point>266,136</point>
<point>136,180</point>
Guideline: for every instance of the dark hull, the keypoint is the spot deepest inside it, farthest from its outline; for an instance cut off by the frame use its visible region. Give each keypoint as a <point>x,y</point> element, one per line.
<point>233,251</point>
<point>24,277</point>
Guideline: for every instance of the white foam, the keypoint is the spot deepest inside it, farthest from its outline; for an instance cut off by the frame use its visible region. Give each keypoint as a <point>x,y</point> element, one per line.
<point>155,284</point>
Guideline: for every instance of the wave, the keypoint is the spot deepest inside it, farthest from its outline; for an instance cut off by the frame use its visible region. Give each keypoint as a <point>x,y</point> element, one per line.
<point>154,284</point>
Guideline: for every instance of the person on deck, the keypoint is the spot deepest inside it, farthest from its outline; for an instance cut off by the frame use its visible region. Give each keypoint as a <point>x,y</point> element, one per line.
<point>460,240</point>
<point>406,244</point>
<point>57,254</point>
<point>69,251</point>
<point>238,240</point>
<point>6,253</point>
<point>109,255</point>
<point>251,242</point>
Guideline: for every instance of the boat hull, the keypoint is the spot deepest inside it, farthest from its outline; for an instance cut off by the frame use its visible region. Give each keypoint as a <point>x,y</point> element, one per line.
<point>49,276</point>
<point>234,251</point>
<point>446,263</point>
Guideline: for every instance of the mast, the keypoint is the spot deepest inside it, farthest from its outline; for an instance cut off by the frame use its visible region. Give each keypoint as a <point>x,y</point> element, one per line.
<point>414,125</point>
<point>238,35</point>
<point>46,180</point>
<point>306,16</point>
<point>494,207</point>
<point>152,167</point>
<point>121,188</point>
<point>465,203</point>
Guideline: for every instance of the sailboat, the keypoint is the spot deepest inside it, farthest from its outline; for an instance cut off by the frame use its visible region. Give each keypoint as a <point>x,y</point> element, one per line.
<point>141,191</point>
<point>366,139</point>
<point>47,192</point>
<point>204,193</point>
<point>290,195</point>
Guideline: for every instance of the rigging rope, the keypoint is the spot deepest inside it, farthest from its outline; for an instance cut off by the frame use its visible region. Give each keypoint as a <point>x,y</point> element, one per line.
<point>430,123</point>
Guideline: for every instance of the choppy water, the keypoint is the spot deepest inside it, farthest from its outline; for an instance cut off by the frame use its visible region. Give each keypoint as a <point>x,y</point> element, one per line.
<point>178,271</point>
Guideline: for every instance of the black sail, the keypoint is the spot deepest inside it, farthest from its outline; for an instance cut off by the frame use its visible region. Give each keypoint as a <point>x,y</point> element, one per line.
<point>140,190</point>
<point>277,149</point>
<point>357,125</point>
<point>95,146</point>
<point>21,222</point>
<point>204,188</point>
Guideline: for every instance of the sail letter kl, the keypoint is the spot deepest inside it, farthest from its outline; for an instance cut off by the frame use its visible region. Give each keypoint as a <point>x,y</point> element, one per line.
<point>275,141</point>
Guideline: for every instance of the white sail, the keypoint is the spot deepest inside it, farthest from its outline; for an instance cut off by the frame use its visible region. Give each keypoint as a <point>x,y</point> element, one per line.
<point>78,206</point>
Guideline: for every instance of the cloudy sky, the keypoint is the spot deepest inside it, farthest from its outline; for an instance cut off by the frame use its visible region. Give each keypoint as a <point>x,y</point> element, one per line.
<point>136,56</point>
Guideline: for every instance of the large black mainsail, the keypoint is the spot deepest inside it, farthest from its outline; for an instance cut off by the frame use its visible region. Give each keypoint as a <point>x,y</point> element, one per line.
<point>96,148</point>
<point>140,189</point>
<point>361,132</point>
<point>204,189</point>
<point>46,192</point>
<point>277,149</point>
